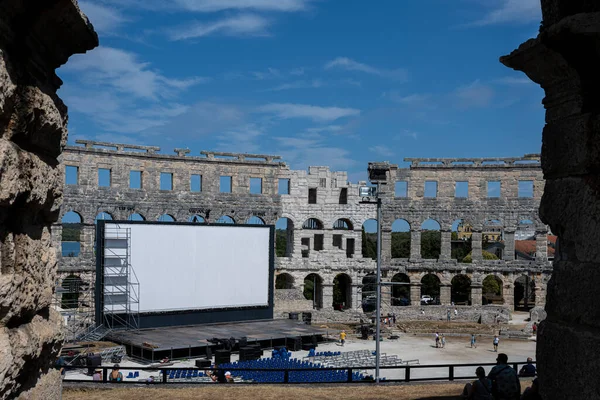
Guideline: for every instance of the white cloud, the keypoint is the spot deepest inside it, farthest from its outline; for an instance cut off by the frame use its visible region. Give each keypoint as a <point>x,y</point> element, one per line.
<point>473,95</point>
<point>311,150</point>
<point>415,99</point>
<point>258,5</point>
<point>244,138</point>
<point>382,151</point>
<point>106,67</point>
<point>316,113</point>
<point>270,73</point>
<point>352,65</point>
<point>512,11</point>
<point>511,80</point>
<point>240,25</point>
<point>105,19</point>
<point>315,83</point>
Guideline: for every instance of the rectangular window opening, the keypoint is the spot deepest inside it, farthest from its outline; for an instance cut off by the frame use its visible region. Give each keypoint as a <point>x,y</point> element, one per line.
<point>337,241</point>
<point>462,190</point>
<point>344,196</point>
<point>135,179</point>
<point>312,196</point>
<point>305,243</point>
<point>71,175</point>
<point>319,239</point>
<point>255,185</point>
<point>350,248</point>
<point>195,183</point>
<point>284,186</point>
<point>323,182</point>
<point>225,184</point>
<point>401,189</point>
<point>493,189</point>
<point>431,189</point>
<point>526,189</point>
<point>104,177</point>
<point>166,181</point>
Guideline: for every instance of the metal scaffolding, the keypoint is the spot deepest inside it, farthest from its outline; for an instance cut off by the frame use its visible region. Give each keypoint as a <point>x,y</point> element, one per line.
<point>120,286</point>
<point>74,300</point>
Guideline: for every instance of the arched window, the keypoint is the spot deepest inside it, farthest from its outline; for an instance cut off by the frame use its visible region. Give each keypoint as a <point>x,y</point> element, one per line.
<point>71,234</point>
<point>312,223</point>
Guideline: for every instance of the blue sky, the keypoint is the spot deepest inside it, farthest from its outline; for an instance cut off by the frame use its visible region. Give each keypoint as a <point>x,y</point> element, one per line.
<point>319,82</point>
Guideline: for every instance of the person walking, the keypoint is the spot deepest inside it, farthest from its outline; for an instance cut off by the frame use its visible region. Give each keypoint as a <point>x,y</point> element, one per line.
<point>343,337</point>
<point>496,342</point>
<point>473,341</point>
<point>437,340</point>
<point>443,341</point>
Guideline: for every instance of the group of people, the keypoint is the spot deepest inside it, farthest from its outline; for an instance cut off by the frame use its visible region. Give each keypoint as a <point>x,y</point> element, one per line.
<point>440,341</point>
<point>220,375</point>
<point>502,383</point>
<point>448,315</point>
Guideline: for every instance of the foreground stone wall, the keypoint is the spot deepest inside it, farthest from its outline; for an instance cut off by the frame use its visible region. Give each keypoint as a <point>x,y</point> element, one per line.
<point>565,59</point>
<point>35,38</point>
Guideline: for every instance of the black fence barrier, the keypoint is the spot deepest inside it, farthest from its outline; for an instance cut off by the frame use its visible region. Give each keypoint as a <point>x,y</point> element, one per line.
<point>285,376</point>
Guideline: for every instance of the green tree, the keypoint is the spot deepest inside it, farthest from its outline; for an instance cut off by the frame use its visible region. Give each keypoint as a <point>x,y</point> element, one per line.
<point>430,285</point>
<point>369,244</point>
<point>486,256</point>
<point>491,286</point>
<point>71,232</point>
<point>400,244</point>
<point>309,288</point>
<point>431,244</point>
<point>280,242</point>
<point>454,236</point>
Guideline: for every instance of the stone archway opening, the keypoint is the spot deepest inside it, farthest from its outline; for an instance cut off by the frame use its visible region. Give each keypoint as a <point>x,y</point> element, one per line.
<point>284,281</point>
<point>284,237</point>
<point>166,218</point>
<point>369,239</point>
<point>103,216</point>
<point>460,291</point>
<point>313,290</point>
<point>72,224</point>
<point>492,240</point>
<point>492,291</point>
<point>198,219</point>
<point>401,293</point>
<point>430,290</point>
<point>254,220</point>
<point>71,289</point>
<point>225,219</point>
<point>369,293</point>
<point>431,239</point>
<point>136,217</point>
<point>400,239</point>
<point>342,292</point>
<point>342,240</point>
<point>524,293</point>
<point>461,240</point>
<point>525,243</point>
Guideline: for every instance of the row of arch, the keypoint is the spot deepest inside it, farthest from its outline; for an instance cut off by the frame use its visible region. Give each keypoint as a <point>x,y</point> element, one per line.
<point>73,217</point>
<point>430,288</point>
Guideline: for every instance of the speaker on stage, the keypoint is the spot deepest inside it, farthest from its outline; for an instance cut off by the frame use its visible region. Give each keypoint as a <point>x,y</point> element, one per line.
<point>222,356</point>
<point>315,340</point>
<point>202,363</point>
<point>294,343</point>
<point>243,342</point>
<point>208,353</point>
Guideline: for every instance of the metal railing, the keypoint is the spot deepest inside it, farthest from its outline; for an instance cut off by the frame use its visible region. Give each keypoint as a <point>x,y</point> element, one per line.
<point>163,376</point>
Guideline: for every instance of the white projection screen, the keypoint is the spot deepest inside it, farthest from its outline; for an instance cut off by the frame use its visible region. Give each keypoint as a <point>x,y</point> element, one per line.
<point>197,267</point>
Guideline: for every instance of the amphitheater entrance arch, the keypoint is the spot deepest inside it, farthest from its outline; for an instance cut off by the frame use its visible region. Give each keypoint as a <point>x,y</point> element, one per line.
<point>400,239</point>
<point>430,289</point>
<point>461,240</point>
<point>524,293</point>
<point>284,281</point>
<point>369,239</point>
<point>342,292</point>
<point>284,237</point>
<point>401,293</point>
<point>313,290</point>
<point>460,291</point>
<point>492,292</point>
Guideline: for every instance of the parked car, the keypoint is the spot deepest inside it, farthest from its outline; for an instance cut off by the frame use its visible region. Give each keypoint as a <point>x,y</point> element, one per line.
<point>426,299</point>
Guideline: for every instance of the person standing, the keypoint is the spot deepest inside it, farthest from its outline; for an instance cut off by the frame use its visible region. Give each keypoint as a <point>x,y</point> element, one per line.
<point>443,341</point>
<point>343,337</point>
<point>505,382</point>
<point>455,312</point>
<point>473,341</point>
<point>496,342</point>
<point>448,315</point>
<point>437,340</point>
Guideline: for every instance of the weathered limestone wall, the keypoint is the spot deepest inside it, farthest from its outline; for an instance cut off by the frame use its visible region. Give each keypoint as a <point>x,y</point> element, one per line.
<point>35,38</point>
<point>565,59</point>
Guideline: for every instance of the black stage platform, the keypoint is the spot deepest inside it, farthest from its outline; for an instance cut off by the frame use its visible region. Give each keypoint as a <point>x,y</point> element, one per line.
<point>193,340</point>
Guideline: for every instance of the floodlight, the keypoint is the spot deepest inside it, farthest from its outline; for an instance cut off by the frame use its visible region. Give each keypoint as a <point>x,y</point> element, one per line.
<point>367,191</point>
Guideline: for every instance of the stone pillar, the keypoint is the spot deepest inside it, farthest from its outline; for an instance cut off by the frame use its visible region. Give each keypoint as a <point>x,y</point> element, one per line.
<point>445,294</point>
<point>541,246</point>
<point>386,245</point>
<point>57,239</point>
<point>476,254</point>
<point>415,245</point>
<point>386,296</point>
<point>476,294</point>
<point>358,244</point>
<point>35,39</point>
<point>88,237</point>
<point>565,59</point>
<point>508,292</point>
<point>446,245</point>
<point>540,291</point>
<point>415,294</point>
<point>327,297</point>
<point>356,299</point>
<point>509,246</point>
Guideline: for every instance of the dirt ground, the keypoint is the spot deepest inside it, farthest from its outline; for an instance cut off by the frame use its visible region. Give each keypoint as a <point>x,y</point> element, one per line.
<point>426,391</point>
